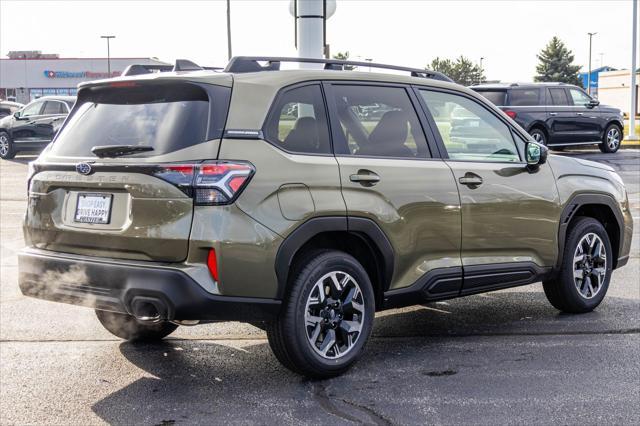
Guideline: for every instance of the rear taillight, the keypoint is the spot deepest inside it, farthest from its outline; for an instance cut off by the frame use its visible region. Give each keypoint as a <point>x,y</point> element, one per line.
<point>511,114</point>
<point>209,183</point>
<point>212,264</point>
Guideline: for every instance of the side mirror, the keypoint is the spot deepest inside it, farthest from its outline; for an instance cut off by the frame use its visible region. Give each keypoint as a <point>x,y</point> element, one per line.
<point>593,103</point>
<point>535,154</point>
<point>17,115</point>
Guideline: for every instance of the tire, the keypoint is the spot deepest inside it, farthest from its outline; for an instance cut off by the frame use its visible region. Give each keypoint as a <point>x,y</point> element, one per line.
<point>7,149</point>
<point>539,135</point>
<point>129,328</point>
<point>308,317</point>
<point>611,139</point>
<point>587,237</point>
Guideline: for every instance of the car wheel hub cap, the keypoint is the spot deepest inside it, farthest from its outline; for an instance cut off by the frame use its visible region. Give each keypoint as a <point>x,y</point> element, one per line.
<point>589,266</point>
<point>4,145</point>
<point>613,138</point>
<point>334,315</point>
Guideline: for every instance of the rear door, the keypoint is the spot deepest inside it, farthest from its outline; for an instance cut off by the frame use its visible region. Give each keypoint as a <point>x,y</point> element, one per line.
<point>509,214</point>
<point>561,117</point>
<point>135,206</point>
<point>52,115</point>
<point>389,175</point>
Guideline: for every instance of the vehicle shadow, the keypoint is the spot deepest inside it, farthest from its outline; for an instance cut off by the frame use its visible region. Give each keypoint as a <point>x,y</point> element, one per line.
<point>236,381</point>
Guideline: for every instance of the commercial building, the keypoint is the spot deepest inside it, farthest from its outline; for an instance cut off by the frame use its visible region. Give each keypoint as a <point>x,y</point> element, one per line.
<point>614,89</point>
<point>27,75</point>
<point>595,74</point>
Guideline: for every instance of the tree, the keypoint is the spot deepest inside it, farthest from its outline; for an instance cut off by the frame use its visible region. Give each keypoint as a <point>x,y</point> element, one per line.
<point>462,70</point>
<point>345,57</point>
<point>556,64</point>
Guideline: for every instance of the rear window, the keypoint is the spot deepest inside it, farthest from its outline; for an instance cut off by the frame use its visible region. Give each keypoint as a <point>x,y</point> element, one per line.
<point>165,117</point>
<point>496,97</point>
<point>524,97</point>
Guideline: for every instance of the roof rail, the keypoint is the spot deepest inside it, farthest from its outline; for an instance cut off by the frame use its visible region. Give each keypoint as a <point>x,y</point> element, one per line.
<point>241,64</point>
<point>180,65</point>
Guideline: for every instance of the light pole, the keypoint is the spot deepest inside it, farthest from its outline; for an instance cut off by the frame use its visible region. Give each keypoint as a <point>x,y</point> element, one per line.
<point>634,90</point>
<point>589,75</point>
<point>228,29</point>
<point>480,74</point>
<point>108,37</point>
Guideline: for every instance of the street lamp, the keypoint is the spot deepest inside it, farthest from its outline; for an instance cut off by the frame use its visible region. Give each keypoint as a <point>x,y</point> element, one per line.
<point>108,37</point>
<point>481,69</point>
<point>589,75</point>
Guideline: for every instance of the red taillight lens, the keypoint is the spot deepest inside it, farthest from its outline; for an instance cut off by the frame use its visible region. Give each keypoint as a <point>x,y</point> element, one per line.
<point>212,264</point>
<point>511,114</point>
<point>210,183</point>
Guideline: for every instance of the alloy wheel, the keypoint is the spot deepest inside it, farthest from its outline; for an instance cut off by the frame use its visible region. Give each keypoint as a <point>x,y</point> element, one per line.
<point>334,315</point>
<point>4,145</point>
<point>590,265</point>
<point>538,137</point>
<point>613,138</point>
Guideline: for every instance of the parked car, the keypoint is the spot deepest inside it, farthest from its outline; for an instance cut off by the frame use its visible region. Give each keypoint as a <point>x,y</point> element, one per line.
<point>8,108</point>
<point>177,198</point>
<point>558,114</point>
<point>34,126</point>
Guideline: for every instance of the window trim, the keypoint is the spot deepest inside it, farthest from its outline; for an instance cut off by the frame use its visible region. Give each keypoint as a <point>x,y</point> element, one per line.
<point>338,137</point>
<point>441,145</point>
<point>273,112</point>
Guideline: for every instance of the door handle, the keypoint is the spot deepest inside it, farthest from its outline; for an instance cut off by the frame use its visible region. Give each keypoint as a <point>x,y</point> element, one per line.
<point>365,178</point>
<point>580,113</point>
<point>553,114</point>
<point>471,179</point>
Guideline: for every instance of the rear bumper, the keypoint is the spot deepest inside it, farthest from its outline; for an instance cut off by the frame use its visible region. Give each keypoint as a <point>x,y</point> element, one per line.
<point>102,284</point>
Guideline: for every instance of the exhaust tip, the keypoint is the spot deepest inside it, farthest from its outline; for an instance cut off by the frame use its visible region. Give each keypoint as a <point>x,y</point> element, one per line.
<point>148,309</point>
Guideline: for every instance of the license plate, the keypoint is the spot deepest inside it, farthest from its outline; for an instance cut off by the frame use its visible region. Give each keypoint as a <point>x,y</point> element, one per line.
<point>93,208</point>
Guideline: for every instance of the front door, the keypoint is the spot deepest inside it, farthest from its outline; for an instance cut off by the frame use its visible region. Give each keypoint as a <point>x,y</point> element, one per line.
<point>588,117</point>
<point>388,175</point>
<point>24,128</point>
<point>509,213</point>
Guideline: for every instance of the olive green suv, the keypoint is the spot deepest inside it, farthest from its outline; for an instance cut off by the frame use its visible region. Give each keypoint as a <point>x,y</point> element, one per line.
<point>303,201</point>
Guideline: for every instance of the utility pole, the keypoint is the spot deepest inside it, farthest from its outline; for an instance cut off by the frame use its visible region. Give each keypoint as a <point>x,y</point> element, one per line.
<point>589,75</point>
<point>634,90</point>
<point>108,37</point>
<point>229,55</point>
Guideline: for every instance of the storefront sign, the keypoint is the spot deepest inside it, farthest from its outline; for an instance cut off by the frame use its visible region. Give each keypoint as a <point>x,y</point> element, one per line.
<point>79,74</point>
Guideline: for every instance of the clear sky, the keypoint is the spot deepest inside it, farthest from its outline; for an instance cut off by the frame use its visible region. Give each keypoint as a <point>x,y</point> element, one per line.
<point>507,33</point>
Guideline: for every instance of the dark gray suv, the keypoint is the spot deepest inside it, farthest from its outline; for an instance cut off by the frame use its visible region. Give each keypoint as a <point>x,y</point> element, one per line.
<point>558,114</point>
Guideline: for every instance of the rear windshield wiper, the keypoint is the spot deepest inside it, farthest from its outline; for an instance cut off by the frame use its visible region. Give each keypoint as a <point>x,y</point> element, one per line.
<point>118,150</point>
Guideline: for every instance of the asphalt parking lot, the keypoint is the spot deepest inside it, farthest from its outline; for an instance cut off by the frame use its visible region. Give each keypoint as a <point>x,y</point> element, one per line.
<point>503,357</point>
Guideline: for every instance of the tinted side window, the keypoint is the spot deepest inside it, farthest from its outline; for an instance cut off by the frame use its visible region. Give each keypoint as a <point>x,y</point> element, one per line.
<point>496,97</point>
<point>524,97</point>
<point>298,121</point>
<point>379,122</point>
<point>53,107</point>
<point>470,131</point>
<point>558,97</point>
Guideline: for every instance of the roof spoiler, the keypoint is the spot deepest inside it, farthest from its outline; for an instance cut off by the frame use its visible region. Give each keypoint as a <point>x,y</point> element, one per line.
<point>242,64</point>
<point>180,65</point>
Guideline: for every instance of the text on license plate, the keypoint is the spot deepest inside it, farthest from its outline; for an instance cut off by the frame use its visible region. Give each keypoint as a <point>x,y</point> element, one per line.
<point>93,208</point>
